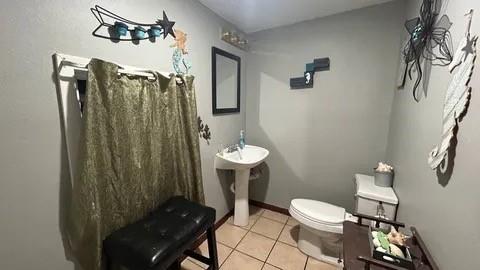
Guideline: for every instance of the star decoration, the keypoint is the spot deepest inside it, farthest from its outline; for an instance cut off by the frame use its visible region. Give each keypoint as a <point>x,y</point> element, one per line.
<point>468,48</point>
<point>167,26</point>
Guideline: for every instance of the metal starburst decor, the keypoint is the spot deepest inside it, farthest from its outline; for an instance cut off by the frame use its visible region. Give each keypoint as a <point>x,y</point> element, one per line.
<point>429,43</point>
<point>204,130</point>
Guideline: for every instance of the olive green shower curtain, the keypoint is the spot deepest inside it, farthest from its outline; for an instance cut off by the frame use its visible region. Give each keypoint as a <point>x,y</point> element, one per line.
<point>140,146</point>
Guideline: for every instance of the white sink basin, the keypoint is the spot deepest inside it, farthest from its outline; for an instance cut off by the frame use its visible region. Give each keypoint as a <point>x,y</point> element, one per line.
<point>249,157</point>
<point>241,161</point>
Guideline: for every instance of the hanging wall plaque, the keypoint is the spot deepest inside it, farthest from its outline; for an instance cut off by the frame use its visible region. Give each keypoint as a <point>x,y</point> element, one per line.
<point>457,96</point>
<point>116,28</point>
<point>319,64</point>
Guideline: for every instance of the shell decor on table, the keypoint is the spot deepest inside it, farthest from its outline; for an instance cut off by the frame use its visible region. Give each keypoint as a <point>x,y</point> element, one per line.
<point>389,243</point>
<point>397,238</point>
<point>383,167</point>
<point>457,96</point>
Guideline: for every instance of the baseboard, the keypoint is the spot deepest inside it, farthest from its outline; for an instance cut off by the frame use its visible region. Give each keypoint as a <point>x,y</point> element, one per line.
<point>269,207</point>
<point>224,219</point>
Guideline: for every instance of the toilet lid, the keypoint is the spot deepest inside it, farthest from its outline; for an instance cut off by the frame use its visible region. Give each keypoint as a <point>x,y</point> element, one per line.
<point>319,211</point>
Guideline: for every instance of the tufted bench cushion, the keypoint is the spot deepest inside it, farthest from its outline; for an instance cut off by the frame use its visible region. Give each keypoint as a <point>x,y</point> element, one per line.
<point>159,239</point>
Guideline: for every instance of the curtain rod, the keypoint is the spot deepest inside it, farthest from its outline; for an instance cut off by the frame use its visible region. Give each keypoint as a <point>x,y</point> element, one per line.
<point>80,64</point>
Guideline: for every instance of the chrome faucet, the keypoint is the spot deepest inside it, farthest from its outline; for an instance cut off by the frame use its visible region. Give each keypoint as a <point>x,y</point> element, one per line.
<point>234,147</point>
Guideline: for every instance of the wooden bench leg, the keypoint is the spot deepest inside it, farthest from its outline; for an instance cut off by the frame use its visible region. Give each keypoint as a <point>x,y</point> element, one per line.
<point>212,248</point>
<point>175,265</point>
<point>108,263</point>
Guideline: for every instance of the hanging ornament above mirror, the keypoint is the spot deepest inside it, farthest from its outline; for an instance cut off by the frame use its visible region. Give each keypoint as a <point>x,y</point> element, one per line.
<point>116,28</point>
<point>429,44</point>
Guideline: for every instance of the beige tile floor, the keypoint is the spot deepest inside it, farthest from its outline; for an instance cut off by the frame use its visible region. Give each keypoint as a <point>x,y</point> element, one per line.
<point>268,242</point>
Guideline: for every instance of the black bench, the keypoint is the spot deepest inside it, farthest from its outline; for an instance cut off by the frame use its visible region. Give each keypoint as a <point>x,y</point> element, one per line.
<point>160,240</point>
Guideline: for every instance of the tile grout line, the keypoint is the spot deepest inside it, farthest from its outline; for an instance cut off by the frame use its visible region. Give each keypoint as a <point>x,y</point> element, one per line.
<point>260,215</point>
<point>229,253</point>
<point>276,220</point>
<point>268,252</point>
<point>235,248</point>
<point>232,249</point>
<point>285,242</point>
<point>250,230</point>
<point>220,265</point>
<point>276,241</point>
<point>249,256</point>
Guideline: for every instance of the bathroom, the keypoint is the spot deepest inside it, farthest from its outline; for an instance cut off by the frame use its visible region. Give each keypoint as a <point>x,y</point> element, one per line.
<point>318,137</point>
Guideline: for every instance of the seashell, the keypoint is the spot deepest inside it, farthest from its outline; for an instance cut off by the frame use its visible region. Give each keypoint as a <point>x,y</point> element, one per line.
<point>396,238</point>
<point>396,251</point>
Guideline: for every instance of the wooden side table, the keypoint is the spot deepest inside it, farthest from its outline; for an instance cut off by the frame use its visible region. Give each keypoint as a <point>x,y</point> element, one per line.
<point>357,252</point>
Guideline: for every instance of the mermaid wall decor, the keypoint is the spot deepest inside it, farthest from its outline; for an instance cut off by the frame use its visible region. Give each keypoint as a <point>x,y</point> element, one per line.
<point>181,64</point>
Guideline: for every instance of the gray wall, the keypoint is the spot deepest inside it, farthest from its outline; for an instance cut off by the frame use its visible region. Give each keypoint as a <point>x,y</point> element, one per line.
<point>34,176</point>
<point>445,209</point>
<point>319,138</point>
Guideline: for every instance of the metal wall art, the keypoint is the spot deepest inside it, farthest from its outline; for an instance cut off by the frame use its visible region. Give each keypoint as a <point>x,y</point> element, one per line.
<point>457,96</point>
<point>116,28</point>
<point>320,64</point>
<point>429,44</point>
<point>204,131</point>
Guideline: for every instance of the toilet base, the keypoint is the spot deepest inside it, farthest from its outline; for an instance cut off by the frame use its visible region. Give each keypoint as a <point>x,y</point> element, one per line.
<point>323,246</point>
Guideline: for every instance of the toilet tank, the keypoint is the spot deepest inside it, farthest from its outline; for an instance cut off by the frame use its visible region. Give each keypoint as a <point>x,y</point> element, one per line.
<point>368,196</point>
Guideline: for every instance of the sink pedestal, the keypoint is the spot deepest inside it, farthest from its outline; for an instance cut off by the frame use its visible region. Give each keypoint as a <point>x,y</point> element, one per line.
<point>241,161</point>
<point>241,217</point>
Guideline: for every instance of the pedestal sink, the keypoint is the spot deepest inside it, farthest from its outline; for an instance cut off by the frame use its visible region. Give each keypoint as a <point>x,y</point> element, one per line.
<point>241,161</point>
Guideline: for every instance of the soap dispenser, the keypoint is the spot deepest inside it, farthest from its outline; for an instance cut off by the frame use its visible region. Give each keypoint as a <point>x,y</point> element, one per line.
<point>241,141</point>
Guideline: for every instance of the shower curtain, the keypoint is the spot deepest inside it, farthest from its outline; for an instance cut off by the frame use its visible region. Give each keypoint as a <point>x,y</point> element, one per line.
<point>140,146</point>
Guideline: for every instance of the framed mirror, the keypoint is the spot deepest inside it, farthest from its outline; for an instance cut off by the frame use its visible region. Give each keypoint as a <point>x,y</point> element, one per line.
<point>225,82</point>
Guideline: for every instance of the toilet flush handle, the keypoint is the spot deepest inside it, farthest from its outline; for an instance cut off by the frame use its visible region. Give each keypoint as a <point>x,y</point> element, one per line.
<point>380,210</point>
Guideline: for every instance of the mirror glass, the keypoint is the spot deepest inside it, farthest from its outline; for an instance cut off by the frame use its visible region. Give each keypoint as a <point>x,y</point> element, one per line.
<point>226,82</point>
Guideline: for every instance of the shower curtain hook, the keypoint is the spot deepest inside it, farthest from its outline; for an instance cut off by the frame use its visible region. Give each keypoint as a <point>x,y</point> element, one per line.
<point>179,79</point>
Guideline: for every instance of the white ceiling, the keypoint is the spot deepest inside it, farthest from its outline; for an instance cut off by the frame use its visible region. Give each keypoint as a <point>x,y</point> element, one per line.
<point>255,15</point>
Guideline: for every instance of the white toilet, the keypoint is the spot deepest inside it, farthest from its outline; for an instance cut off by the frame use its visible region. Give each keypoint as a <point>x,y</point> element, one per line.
<point>321,224</point>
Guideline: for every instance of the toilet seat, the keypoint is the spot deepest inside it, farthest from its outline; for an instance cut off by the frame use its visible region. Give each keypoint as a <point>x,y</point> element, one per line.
<point>318,215</point>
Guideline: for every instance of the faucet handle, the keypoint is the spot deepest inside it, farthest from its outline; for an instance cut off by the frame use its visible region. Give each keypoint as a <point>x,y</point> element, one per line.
<point>232,148</point>
<point>221,150</point>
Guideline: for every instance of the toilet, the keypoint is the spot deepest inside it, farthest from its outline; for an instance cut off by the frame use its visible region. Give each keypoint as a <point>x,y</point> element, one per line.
<point>321,223</point>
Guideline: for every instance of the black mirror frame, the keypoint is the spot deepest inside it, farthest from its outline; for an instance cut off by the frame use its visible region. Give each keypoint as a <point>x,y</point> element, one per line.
<point>216,51</point>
